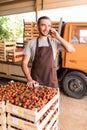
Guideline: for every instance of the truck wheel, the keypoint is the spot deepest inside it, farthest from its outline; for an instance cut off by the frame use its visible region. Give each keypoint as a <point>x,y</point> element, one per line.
<point>74,84</point>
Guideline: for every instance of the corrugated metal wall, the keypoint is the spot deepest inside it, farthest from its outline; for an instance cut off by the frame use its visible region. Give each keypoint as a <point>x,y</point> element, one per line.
<point>8,7</point>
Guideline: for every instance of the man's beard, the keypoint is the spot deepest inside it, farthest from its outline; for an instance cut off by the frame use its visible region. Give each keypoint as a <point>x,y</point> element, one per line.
<point>42,34</point>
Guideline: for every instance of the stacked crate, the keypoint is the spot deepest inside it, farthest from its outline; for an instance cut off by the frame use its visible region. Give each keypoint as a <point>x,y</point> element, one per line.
<point>2,116</point>
<point>14,55</point>
<point>19,118</point>
<point>27,31</point>
<point>19,112</point>
<point>4,46</point>
<point>31,31</point>
<point>55,25</point>
<point>35,30</point>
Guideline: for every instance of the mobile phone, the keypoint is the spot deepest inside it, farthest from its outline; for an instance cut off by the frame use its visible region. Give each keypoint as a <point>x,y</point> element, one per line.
<point>50,32</point>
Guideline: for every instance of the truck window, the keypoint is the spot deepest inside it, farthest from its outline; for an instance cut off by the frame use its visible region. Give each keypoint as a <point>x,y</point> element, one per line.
<point>74,34</point>
<point>78,34</point>
<point>83,36</point>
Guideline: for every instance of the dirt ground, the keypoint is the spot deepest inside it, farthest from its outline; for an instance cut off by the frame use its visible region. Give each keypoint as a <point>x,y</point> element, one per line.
<point>73,113</point>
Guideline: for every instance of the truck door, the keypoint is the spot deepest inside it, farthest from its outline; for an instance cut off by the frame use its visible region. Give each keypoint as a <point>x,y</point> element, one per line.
<point>78,59</point>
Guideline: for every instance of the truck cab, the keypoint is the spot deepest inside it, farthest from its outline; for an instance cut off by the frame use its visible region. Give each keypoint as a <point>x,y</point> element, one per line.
<point>72,72</point>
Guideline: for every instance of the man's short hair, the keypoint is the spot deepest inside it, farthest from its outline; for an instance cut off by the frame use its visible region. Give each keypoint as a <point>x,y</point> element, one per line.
<point>43,17</point>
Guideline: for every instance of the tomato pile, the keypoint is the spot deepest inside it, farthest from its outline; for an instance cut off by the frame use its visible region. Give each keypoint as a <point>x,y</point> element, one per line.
<point>22,95</point>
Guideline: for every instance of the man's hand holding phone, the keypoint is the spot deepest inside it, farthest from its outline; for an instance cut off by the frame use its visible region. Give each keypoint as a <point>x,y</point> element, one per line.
<point>53,33</point>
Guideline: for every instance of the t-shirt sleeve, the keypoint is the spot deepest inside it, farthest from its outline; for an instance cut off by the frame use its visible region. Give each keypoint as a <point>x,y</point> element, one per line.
<point>56,43</point>
<point>27,50</point>
<point>30,48</point>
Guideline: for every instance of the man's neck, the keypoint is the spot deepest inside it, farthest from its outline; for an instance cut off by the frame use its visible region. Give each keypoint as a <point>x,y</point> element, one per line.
<point>42,37</point>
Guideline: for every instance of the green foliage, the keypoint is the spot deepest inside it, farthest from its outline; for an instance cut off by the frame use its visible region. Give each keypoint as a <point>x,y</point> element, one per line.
<point>4,34</point>
<point>11,28</point>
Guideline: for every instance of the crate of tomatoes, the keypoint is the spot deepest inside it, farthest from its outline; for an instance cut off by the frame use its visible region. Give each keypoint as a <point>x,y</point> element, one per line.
<point>34,108</point>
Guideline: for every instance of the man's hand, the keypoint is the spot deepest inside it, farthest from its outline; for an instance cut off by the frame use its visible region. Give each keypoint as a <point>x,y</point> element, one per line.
<point>32,83</point>
<point>53,33</point>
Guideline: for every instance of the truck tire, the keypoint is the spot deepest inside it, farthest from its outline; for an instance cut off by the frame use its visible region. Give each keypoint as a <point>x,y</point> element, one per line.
<point>75,84</point>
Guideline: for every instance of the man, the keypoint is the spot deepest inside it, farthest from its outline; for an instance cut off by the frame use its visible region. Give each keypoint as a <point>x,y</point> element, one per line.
<point>42,51</point>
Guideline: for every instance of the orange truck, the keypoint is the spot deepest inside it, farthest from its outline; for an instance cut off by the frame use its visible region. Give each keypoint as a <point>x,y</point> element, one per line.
<point>72,72</point>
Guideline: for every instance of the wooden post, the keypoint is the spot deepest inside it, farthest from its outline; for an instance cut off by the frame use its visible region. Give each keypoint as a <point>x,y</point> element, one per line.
<point>36,10</point>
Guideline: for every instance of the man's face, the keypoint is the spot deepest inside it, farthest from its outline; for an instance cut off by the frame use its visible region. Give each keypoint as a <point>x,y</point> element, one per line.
<point>44,27</point>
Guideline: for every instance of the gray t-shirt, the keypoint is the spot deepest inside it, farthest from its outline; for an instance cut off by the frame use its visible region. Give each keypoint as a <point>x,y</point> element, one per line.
<point>31,46</point>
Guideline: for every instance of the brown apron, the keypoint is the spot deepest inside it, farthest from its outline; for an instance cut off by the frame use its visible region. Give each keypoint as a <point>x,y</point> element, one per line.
<point>43,67</point>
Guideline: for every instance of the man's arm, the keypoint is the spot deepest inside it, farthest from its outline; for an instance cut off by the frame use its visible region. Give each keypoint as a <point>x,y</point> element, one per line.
<point>68,46</point>
<point>25,68</point>
<point>26,71</point>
